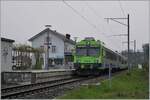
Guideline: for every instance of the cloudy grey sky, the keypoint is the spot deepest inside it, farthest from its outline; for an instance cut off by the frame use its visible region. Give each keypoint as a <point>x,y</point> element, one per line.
<point>22,20</point>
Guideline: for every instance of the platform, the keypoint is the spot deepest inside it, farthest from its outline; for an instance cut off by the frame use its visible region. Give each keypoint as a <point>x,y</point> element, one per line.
<point>33,76</point>
<point>50,70</point>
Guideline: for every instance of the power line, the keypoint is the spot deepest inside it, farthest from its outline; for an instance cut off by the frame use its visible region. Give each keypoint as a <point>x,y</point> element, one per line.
<point>110,29</point>
<point>94,13</point>
<point>121,8</point>
<point>84,18</point>
<point>128,38</point>
<point>98,16</point>
<point>102,18</point>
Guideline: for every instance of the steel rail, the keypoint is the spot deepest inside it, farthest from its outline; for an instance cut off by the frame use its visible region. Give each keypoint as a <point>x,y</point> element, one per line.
<point>20,87</point>
<point>42,87</point>
<point>39,88</point>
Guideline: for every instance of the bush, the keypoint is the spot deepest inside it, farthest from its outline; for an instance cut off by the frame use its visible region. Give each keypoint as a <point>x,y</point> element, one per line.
<point>38,64</point>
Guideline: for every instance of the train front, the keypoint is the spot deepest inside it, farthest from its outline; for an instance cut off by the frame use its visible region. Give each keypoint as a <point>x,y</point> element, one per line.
<point>87,57</point>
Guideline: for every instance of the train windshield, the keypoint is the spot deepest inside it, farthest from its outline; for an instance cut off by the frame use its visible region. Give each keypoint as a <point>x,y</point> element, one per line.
<point>81,51</point>
<point>93,51</point>
<point>84,51</point>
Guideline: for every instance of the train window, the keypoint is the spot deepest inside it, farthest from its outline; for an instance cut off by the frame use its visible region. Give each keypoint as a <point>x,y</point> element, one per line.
<point>111,56</point>
<point>93,51</point>
<point>81,51</point>
<point>107,55</point>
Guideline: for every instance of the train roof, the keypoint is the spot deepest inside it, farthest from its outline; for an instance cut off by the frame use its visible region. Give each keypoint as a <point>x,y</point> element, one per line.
<point>88,40</point>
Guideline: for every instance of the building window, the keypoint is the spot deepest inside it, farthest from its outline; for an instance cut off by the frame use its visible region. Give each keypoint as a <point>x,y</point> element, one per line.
<point>53,49</point>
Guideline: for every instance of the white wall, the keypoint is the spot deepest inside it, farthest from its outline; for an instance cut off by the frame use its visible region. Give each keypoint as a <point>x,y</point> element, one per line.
<point>6,59</point>
<point>56,41</point>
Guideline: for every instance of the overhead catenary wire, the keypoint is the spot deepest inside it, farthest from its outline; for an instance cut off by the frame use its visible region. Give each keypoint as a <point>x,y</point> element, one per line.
<point>123,11</point>
<point>84,18</point>
<point>94,13</point>
<point>98,16</point>
<point>121,8</point>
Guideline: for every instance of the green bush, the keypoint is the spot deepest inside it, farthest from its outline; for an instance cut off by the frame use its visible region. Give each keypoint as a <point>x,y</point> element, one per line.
<point>38,64</point>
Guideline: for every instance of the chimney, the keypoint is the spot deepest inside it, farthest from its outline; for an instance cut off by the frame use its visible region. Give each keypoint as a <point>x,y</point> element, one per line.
<point>68,36</point>
<point>48,26</point>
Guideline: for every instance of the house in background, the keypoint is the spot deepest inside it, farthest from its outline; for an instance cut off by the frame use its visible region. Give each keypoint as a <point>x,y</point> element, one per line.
<point>6,54</point>
<point>60,47</point>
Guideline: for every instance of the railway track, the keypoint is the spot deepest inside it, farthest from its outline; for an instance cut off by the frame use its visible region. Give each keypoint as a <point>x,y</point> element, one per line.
<point>30,89</point>
<point>61,90</point>
<point>23,91</point>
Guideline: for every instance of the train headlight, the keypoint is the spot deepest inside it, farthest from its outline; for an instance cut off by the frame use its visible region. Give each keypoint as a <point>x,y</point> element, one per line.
<point>91,66</point>
<point>82,66</point>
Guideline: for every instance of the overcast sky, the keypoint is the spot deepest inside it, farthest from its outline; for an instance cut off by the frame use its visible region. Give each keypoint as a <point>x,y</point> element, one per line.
<point>22,20</point>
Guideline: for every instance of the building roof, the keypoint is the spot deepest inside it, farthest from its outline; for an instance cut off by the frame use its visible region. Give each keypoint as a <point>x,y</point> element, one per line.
<point>55,33</point>
<point>7,40</point>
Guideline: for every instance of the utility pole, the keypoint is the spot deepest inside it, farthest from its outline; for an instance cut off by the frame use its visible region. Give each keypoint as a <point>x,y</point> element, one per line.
<point>135,60</point>
<point>47,48</point>
<point>134,46</point>
<point>128,33</point>
<point>129,45</point>
<point>134,42</point>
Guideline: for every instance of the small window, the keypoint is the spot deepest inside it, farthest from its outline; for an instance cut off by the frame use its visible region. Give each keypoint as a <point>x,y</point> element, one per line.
<point>53,49</point>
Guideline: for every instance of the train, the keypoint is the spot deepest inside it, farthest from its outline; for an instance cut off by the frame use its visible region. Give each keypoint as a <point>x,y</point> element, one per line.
<point>92,57</point>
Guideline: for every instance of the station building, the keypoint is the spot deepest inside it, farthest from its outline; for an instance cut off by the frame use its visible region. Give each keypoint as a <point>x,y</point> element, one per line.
<point>60,47</point>
<point>6,54</point>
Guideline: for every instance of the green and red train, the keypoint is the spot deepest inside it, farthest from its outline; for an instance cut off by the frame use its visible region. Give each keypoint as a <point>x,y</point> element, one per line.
<point>91,57</point>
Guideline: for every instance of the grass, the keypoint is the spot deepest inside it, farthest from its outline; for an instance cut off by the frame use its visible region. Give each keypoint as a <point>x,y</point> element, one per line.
<point>124,86</point>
